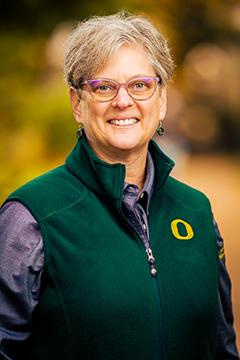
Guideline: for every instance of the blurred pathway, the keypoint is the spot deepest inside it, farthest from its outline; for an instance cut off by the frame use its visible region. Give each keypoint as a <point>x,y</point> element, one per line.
<point>218,177</point>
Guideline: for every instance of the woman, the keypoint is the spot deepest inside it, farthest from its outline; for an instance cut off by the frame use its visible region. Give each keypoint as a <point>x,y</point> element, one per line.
<point>130,267</point>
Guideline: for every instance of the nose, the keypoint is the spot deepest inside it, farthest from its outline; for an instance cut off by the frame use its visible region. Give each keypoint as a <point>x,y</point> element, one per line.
<point>123,99</point>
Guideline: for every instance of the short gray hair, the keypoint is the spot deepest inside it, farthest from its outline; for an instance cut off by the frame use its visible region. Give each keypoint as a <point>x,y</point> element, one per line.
<point>94,40</point>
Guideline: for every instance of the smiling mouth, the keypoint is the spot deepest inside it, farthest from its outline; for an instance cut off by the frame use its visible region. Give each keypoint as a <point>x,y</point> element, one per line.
<point>123,122</point>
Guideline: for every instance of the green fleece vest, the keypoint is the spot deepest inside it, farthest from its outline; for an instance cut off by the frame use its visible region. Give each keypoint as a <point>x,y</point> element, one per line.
<point>98,299</point>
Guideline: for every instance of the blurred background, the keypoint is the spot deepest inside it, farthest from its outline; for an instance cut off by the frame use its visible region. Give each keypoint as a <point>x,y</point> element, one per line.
<point>202,126</point>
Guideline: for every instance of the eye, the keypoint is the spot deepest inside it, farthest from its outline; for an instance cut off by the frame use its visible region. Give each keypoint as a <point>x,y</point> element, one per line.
<point>102,86</point>
<point>139,85</point>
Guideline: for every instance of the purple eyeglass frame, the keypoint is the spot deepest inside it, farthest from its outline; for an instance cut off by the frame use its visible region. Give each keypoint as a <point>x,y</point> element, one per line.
<point>118,85</point>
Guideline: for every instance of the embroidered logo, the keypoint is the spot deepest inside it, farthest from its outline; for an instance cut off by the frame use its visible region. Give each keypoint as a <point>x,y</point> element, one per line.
<point>181,229</point>
<point>221,253</point>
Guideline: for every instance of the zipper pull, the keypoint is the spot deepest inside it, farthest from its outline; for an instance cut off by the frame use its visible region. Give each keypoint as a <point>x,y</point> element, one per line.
<point>151,262</point>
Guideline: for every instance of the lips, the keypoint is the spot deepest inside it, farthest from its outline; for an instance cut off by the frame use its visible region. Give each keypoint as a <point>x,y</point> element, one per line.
<point>123,122</point>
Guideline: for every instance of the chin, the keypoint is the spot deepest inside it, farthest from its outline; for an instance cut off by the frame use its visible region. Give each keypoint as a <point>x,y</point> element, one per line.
<point>130,141</point>
<point>126,144</point>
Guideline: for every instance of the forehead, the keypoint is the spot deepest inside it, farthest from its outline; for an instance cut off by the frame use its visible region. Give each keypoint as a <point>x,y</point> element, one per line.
<point>126,63</point>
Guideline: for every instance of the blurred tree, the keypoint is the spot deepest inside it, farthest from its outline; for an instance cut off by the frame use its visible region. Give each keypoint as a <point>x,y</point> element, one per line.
<point>36,121</point>
<point>40,16</point>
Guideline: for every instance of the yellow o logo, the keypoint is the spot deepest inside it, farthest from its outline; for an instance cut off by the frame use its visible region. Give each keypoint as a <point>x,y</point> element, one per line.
<point>175,231</point>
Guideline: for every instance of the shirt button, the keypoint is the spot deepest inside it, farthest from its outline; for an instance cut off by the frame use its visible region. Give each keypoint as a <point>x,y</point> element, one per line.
<point>131,188</point>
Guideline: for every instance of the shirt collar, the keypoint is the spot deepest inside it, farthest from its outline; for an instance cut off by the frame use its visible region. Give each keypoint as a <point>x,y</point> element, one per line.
<point>144,196</point>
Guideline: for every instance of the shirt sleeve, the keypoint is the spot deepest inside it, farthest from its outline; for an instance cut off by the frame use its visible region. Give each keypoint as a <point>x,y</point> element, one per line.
<point>21,264</point>
<point>226,339</point>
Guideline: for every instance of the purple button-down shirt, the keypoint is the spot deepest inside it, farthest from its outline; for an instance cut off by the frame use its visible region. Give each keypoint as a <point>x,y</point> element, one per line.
<point>22,259</point>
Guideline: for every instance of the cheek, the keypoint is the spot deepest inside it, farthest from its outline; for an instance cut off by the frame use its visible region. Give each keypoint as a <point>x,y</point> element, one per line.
<point>98,113</point>
<point>95,117</point>
<point>88,114</point>
<point>153,110</point>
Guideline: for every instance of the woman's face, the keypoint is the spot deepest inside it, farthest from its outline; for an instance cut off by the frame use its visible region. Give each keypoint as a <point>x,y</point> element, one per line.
<point>107,138</point>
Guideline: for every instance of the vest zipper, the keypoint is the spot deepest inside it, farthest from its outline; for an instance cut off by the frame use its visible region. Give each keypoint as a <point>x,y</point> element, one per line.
<point>160,330</point>
<point>150,257</point>
<point>151,260</point>
<point>159,327</point>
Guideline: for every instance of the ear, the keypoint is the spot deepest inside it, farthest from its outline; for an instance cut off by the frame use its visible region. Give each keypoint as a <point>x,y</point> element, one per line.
<point>75,104</point>
<point>163,106</point>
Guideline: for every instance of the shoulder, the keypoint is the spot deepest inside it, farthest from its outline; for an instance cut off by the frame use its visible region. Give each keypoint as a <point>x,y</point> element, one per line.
<point>13,212</point>
<point>49,192</point>
<point>181,192</point>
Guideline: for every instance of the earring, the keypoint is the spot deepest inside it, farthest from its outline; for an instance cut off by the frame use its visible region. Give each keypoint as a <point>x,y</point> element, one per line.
<point>80,130</point>
<point>160,129</point>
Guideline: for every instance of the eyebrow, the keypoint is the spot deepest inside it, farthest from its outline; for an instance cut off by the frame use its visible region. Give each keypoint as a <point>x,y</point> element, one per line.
<point>141,75</point>
<point>132,77</point>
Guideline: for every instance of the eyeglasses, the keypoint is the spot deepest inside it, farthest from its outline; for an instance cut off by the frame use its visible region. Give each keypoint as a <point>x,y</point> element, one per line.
<point>103,90</point>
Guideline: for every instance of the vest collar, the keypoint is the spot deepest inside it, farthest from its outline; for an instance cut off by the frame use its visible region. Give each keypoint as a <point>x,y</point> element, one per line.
<point>108,179</point>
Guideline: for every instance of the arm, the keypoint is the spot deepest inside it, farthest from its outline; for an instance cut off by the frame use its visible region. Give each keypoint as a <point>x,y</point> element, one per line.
<point>226,339</point>
<point>21,263</point>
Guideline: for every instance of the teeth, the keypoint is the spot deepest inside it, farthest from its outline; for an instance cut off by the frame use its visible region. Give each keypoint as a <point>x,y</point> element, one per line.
<point>124,122</point>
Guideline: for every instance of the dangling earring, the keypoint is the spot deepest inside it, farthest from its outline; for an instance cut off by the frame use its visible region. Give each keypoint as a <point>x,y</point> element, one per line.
<point>80,130</point>
<point>160,129</point>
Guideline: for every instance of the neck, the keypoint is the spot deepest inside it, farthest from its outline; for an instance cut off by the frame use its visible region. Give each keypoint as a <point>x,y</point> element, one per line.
<point>135,163</point>
<point>135,171</point>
